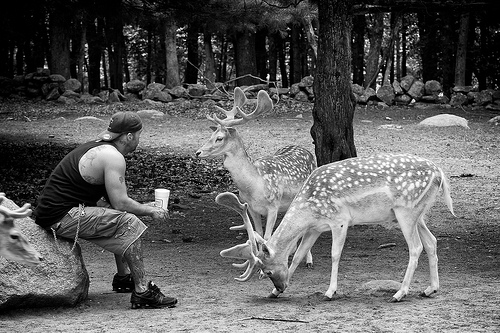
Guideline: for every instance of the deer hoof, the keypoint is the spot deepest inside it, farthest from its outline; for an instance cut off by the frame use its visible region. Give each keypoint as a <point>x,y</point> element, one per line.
<point>271,295</point>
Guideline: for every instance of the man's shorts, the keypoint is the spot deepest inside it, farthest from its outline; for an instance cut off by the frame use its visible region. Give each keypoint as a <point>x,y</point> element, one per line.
<point>111,229</point>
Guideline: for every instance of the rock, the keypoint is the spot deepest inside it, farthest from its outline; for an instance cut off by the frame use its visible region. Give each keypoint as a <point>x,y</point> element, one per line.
<point>379,287</point>
<point>53,95</point>
<point>386,94</point>
<point>462,89</point>
<point>294,89</point>
<point>155,92</point>
<point>416,90</point>
<point>154,114</point>
<point>397,88</point>
<point>357,89</point>
<point>406,82</point>
<point>458,99</point>
<point>306,81</point>
<point>196,90</point>
<point>433,87</point>
<point>445,120</point>
<point>135,86</point>
<point>483,98</point>
<point>71,94</point>
<point>179,92</point>
<point>301,97</point>
<point>73,85</point>
<point>402,99</point>
<point>57,78</point>
<point>60,280</point>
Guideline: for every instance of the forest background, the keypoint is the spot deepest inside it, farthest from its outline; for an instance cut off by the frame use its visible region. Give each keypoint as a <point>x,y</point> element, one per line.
<point>223,43</point>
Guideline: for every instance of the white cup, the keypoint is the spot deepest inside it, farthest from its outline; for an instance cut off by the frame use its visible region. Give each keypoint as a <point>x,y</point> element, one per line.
<point>161,198</point>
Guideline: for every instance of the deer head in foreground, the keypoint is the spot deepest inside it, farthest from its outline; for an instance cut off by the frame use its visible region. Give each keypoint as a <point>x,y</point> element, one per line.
<point>378,189</point>
<point>13,244</point>
<point>268,184</point>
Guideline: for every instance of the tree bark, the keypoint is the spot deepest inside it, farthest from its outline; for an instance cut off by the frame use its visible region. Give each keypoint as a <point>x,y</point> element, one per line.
<point>114,36</point>
<point>273,58</point>
<point>245,61</point>
<point>375,34</point>
<point>295,52</point>
<point>209,73</point>
<point>462,50</point>
<point>427,29</point>
<point>60,27</point>
<point>358,49</point>
<point>191,73</point>
<point>261,53</point>
<point>333,110</point>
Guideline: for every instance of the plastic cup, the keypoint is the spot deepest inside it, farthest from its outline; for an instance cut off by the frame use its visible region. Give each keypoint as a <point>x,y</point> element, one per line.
<point>161,198</point>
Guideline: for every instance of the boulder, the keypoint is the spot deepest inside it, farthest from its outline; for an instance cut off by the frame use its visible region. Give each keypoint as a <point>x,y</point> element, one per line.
<point>386,94</point>
<point>483,98</point>
<point>57,78</point>
<point>416,90</point>
<point>306,81</point>
<point>179,92</point>
<point>402,99</point>
<point>458,99</point>
<point>445,120</point>
<point>73,85</point>
<point>301,97</point>
<point>196,90</point>
<point>462,89</point>
<point>357,89</point>
<point>406,82</point>
<point>433,87</point>
<point>294,89</point>
<point>397,88</point>
<point>135,86</point>
<point>60,280</point>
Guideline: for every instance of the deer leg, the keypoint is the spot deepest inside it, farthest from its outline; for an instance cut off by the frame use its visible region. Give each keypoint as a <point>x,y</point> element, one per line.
<point>272,216</point>
<point>257,221</point>
<point>339,233</point>
<point>408,226</point>
<point>430,246</point>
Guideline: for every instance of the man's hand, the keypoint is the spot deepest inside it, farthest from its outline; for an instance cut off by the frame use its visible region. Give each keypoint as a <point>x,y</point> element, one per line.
<point>160,215</point>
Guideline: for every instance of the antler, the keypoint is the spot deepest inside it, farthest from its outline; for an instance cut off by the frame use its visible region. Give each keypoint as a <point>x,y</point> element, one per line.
<point>249,249</point>
<point>24,211</point>
<point>264,104</point>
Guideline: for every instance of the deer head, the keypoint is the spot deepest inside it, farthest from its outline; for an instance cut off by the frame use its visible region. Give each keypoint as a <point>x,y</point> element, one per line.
<point>13,244</point>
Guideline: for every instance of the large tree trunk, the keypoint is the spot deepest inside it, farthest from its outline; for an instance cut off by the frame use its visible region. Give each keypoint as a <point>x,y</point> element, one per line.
<point>245,61</point>
<point>333,111</point>
<point>428,40</point>
<point>60,27</point>
<point>448,46</point>
<point>375,34</point>
<point>261,53</point>
<point>295,55</point>
<point>209,74</point>
<point>280,45</point>
<point>462,50</point>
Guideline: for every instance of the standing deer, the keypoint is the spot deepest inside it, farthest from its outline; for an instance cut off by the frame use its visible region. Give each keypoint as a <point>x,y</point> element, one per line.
<point>269,184</point>
<point>378,189</point>
<point>13,244</point>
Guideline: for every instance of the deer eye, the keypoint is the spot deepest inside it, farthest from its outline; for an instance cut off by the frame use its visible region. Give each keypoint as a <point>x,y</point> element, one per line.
<point>218,139</point>
<point>14,236</point>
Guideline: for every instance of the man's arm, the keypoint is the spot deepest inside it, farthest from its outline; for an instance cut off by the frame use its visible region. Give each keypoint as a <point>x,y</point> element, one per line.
<point>114,180</point>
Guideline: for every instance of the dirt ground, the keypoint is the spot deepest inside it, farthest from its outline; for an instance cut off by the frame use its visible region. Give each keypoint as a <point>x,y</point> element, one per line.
<point>210,300</point>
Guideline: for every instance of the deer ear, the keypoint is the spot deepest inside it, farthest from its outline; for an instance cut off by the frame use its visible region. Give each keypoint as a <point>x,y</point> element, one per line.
<point>213,128</point>
<point>231,130</point>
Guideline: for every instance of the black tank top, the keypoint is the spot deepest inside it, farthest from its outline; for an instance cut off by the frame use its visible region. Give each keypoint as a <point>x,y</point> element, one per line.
<point>66,188</point>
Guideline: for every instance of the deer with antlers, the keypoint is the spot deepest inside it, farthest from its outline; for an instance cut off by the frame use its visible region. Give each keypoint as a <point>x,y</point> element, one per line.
<point>268,184</point>
<point>379,189</point>
<point>13,244</point>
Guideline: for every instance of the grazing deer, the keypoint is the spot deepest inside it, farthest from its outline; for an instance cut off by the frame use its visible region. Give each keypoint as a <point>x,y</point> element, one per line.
<point>269,184</point>
<point>13,244</point>
<point>378,189</point>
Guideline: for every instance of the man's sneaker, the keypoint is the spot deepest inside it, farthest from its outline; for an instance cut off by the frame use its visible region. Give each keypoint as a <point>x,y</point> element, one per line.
<point>151,298</point>
<point>123,284</point>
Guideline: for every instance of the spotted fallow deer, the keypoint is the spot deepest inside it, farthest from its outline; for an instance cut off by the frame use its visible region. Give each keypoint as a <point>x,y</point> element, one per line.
<point>268,184</point>
<point>379,189</point>
<point>13,244</point>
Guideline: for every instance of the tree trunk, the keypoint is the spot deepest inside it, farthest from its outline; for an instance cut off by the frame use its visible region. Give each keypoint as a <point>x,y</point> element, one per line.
<point>114,36</point>
<point>402,65</point>
<point>222,72</point>
<point>245,62</point>
<point>389,68</point>
<point>209,74</point>
<point>333,110</point>
<point>448,47</point>
<point>427,29</point>
<point>94,40</point>
<point>261,53</point>
<point>375,34</point>
<point>461,57</point>
<point>191,74</point>
<point>60,27</point>
<point>273,58</point>
<point>280,45</point>
<point>358,49</point>
<point>295,53</point>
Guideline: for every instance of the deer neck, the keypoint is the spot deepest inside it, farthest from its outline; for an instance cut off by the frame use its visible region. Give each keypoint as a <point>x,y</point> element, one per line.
<point>291,229</point>
<point>240,166</point>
